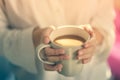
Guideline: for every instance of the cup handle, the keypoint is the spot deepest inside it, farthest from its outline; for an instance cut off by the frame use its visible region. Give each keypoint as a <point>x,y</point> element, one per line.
<point>39,54</point>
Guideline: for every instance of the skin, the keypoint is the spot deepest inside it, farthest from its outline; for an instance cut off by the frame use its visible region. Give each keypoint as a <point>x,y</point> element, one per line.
<point>117,4</point>
<point>54,55</point>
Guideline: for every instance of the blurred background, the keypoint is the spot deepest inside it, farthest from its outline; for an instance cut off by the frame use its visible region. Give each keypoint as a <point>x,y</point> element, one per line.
<point>113,60</point>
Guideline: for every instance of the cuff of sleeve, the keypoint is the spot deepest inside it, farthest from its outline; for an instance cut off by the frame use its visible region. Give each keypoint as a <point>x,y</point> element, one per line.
<point>28,51</point>
<point>107,31</point>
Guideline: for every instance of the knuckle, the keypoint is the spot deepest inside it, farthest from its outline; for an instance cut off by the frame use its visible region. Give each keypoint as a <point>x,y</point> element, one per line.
<point>46,58</point>
<point>61,58</point>
<point>46,50</point>
<point>55,51</point>
<point>50,59</point>
<point>49,51</point>
<point>86,56</point>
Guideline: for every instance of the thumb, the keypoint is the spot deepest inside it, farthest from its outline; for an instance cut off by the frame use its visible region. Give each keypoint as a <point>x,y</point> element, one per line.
<point>46,34</point>
<point>89,29</point>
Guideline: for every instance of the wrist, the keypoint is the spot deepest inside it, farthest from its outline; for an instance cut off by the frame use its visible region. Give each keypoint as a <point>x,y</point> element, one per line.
<point>98,36</point>
<point>36,36</point>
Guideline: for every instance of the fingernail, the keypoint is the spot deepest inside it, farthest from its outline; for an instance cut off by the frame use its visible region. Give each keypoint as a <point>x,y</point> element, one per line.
<point>79,58</point>
<point>84,62</point>
<point>80,53</point>
<point>59,70</point>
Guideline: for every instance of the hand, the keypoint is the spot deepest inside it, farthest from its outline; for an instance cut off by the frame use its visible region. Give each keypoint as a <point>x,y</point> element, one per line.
<point>86,53</point>
<point>51,55</point>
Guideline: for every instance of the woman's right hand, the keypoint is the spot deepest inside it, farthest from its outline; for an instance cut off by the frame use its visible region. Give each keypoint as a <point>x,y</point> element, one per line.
<point>51,55</point>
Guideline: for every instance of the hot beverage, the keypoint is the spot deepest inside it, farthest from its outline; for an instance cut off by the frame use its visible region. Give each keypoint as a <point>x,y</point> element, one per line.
<point>69,40</point>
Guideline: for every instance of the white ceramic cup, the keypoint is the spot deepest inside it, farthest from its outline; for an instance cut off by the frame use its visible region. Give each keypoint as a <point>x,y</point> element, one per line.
<point>72,66</point>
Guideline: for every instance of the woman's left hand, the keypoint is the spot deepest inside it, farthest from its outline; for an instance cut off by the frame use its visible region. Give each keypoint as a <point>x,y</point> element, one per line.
<point>86,53</point>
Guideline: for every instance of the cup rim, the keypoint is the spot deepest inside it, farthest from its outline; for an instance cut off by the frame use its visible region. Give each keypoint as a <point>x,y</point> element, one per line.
<point>69,26</point>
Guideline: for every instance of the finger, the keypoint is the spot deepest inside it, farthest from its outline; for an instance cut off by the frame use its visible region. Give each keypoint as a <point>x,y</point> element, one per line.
<point>91,34</point>
<point>90,31</point>
<point>85,56</point>
<point>46,39</point>
<point>88,28</point>
<point>85,53</point>
<point>46,34</point>
<point>57,58</point>
<point>89,44</point>
<point>57,67</point>
<point>84,61</point>
<point>50,52</point>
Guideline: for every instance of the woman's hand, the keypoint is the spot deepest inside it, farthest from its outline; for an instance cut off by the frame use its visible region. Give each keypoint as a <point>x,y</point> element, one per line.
<point>86,53</point>
<point>51,55</point>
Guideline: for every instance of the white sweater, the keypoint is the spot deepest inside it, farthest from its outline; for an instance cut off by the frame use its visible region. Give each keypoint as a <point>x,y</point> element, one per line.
<point>19,17</point>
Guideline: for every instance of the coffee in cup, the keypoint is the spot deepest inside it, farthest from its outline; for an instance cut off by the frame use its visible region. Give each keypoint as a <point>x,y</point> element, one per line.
<point>69,40</point>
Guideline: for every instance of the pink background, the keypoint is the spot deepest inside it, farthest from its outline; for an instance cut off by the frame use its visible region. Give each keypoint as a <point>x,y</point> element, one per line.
<point>114,59</point>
